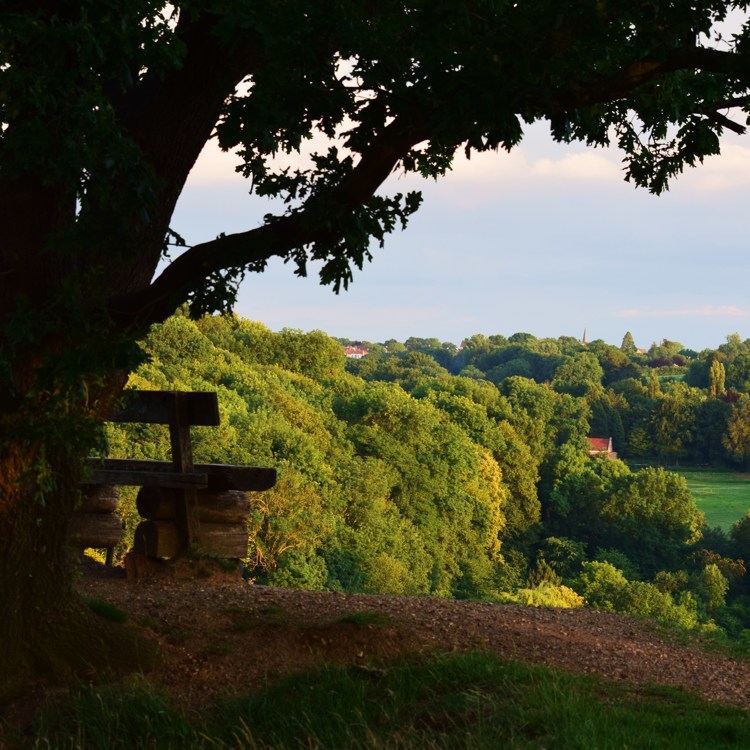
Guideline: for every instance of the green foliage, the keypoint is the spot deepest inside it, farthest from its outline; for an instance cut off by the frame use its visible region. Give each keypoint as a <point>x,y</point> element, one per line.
<point>445,485</point>
<point>605,587</point>
<point>378,490</point>
<point>673,421</point>
<point>545,594</point>
<point>563,555</point>
<point>543,573</point>
<point>646,600</point>
<point>628,344</point>
<point>713,586</point>
<point>602,586</point>
<point>577,373</point>
<point>740,536</point>
<point>737,437</point>
<point>287,525</point>
<point>648,515</point>
<point>654,518</point>
<point>455,487</point>
<point>621,561</point>
<point>300,570</point>
<point>716,378</point>
<point>513,456</point>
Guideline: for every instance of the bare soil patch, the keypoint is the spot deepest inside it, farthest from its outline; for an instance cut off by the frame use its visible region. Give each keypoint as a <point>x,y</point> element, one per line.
<point>221,636</point>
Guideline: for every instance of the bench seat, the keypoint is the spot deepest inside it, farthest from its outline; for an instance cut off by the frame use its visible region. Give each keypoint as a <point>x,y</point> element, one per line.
<point>145,473</point>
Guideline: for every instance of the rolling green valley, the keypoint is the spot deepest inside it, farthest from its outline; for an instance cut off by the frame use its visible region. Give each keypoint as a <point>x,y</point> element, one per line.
<point>426,468</point>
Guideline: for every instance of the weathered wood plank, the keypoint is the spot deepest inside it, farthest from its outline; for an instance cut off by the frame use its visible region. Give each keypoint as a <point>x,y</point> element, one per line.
<point>147,477</point>
<point>162,539</point>
<point>146,473</point>
<point>225,506</point>
<point>157,539</point>
<point>222,506</point>
<point>157,407</point>
<point>224,540</point>
<point>95,530</point>
<point>186,507</point>
<point>230,477</point>
<point>98,498</point>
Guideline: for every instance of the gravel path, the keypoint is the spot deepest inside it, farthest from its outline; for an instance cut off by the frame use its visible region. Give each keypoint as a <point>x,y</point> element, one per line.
<point>221,635</point>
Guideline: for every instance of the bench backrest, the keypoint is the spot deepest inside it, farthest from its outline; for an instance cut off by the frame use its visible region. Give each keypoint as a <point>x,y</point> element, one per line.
<point>178,409</point>
<point>165,407</point>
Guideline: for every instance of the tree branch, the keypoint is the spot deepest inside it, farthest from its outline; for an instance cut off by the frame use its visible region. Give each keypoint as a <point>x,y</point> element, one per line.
<point>172,118</point>
<point>308,225</point>
<point>312,222</point>
<point>725,122</point>
<point>641,72</point>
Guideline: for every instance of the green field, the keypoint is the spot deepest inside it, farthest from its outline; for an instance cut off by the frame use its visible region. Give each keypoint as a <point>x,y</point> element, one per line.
<point>724,496</point>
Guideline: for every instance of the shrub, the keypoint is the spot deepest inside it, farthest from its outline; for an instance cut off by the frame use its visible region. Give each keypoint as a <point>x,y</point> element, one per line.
<point>545,595</point>
<point>602,585</point>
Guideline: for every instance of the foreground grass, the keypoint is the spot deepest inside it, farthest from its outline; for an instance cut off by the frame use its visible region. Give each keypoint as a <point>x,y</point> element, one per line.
<point>724,496</point>
<point>473,701</point>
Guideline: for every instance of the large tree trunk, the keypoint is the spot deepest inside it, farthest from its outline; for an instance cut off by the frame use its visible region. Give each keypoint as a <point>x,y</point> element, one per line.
<point>75,240</point>
<point>46,631</point>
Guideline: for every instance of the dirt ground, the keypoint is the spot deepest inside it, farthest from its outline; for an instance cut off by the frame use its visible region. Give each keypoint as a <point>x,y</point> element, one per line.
<point>220,635</point>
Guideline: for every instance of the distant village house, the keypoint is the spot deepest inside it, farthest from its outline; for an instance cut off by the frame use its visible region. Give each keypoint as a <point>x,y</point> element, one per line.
<point>356,352</point>
<point>601,447</point>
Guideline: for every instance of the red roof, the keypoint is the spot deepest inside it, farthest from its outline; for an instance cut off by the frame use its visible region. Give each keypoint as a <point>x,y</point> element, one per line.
<point>355,351</point>
<point>599,444</point>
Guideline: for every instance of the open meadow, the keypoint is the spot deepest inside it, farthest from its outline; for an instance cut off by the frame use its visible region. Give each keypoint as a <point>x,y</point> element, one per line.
<point>724,496</point>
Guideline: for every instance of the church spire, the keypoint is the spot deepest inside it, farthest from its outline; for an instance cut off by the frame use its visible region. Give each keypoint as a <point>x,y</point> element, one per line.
<point>585,340</point>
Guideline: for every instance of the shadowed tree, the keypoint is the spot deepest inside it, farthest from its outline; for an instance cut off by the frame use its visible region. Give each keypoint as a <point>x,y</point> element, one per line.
<point>104,109</point>
<point>736,439</point>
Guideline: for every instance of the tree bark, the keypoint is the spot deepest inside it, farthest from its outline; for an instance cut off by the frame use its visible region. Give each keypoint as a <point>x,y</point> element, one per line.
<point>46,631</point>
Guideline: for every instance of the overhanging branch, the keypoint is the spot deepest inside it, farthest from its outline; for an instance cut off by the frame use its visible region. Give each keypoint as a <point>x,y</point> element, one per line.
<point>310,224</point>
<point>641,72</point>
<point>305,226</point>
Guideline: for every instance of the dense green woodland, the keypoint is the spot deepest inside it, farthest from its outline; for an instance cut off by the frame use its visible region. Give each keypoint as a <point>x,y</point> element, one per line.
<point>427,469</point>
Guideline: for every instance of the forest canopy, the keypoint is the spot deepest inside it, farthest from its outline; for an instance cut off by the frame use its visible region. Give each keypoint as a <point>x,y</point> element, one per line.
<point>399,475</point>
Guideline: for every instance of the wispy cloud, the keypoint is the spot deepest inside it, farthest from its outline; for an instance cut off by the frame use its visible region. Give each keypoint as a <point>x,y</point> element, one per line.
<point>534,161</point>
<point>587,166</point>
<point>707,311</point>
<point>522,163</point>
<point>728,171</point>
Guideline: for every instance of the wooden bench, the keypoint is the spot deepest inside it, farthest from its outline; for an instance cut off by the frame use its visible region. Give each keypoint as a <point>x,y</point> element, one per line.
<point>183,483</point>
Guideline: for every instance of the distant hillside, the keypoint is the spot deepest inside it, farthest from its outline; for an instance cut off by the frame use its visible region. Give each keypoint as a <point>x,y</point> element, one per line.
<point>421,469</point>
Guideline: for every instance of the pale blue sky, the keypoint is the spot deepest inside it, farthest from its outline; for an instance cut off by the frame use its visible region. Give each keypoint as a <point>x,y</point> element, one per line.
<point>548,239</point>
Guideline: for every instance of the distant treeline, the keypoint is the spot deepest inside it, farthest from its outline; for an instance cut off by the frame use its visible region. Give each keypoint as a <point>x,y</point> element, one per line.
<point>668,403</point>
<point>428,470</point>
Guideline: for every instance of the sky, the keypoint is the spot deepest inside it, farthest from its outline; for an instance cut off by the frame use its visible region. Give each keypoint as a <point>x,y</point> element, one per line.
<point>548,240</point>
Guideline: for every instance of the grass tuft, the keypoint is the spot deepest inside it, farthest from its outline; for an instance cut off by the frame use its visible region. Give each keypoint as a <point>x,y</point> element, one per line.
<point>106,610</point>
<point>364,619</point>
<point>473,701</point>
